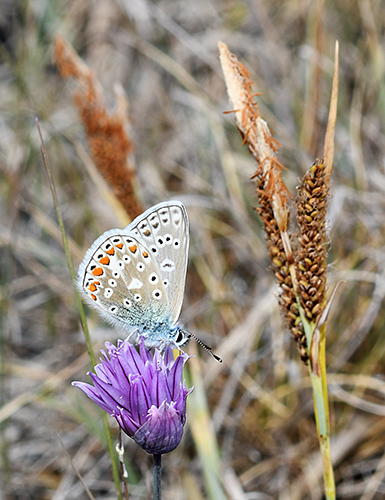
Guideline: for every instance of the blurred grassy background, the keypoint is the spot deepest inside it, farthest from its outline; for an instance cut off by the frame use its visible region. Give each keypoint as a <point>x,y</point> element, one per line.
<point>165,56</point>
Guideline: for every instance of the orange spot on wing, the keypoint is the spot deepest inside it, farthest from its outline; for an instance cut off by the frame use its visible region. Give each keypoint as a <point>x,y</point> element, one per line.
<point>98,271</point>
<point>92,287</point>
<point>93,297</point>
<point>145,254</point>
<point>147,232</point>
<point>133,248</point>
<point>119,245</point>
<point>105,260</point>
<point>111,251</point>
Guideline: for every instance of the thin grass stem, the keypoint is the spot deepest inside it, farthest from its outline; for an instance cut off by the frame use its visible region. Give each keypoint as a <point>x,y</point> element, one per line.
<point>123,471</point>
<point>79,303</point>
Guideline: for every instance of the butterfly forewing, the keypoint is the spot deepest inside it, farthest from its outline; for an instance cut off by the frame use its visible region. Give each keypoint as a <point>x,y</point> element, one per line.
<point>164,231</point>
<point>122,280</point>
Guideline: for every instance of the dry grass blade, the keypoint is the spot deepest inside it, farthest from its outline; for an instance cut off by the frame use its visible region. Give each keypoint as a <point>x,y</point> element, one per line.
<point>74,468</point>
<point>110,146</point>
<point>311,128</point>
<point>330,130</point>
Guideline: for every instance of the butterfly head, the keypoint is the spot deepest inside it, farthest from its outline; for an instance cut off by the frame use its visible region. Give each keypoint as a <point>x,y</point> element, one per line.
<point>180,336</point>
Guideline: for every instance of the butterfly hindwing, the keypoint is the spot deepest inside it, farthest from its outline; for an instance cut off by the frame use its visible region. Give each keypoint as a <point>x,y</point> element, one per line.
<point>164,231</point>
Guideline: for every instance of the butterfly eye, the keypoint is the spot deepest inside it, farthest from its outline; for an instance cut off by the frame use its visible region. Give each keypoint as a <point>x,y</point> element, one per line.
<point>179,337</point>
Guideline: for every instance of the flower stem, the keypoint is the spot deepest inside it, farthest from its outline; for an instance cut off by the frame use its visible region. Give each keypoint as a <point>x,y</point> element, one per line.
<point>157,477</point>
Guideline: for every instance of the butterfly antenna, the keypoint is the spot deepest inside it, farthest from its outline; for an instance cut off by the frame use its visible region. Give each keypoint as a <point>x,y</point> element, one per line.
<point>205,347</point>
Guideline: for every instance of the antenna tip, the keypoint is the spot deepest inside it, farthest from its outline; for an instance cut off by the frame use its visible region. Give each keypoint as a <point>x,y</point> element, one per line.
<point>216,357</point>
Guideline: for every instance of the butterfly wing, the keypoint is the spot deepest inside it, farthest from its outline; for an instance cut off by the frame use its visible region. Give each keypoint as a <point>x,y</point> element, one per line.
<point>164,230</point>
<point>121,279</point>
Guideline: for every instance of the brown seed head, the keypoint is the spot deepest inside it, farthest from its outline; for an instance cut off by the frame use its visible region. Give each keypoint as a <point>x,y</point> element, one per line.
<point>110,145</point>
<point>310,260</point>
<point>271,189</point>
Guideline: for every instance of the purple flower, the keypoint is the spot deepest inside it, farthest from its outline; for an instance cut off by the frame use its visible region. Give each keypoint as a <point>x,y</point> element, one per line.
<point>144,392</point>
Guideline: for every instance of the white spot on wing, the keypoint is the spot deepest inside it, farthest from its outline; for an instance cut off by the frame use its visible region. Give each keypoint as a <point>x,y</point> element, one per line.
<point>135,283</point>
<point>167,265</point>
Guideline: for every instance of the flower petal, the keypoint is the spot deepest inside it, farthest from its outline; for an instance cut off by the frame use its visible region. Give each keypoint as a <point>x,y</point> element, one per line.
<point>162,432</point>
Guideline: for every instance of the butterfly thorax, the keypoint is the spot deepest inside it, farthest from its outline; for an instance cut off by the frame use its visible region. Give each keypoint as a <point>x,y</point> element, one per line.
<point>163,334</point>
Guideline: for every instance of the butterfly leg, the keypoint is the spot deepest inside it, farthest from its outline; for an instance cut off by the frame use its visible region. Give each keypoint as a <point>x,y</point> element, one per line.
<point>134,334</point>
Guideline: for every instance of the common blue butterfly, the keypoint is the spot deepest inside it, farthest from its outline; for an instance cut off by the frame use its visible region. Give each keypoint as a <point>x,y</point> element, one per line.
<point>135,277</point>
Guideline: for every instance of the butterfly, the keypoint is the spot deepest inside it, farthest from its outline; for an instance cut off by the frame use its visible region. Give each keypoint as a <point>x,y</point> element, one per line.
<point>135,277</point>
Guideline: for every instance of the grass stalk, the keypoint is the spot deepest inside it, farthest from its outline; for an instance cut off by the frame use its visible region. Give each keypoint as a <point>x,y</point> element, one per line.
<point>82,314</point>
<point>321,411</point>
<point>299,256</point>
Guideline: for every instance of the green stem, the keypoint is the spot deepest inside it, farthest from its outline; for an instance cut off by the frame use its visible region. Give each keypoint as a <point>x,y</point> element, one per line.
<point>83,321</point>
<point>321,410</point>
